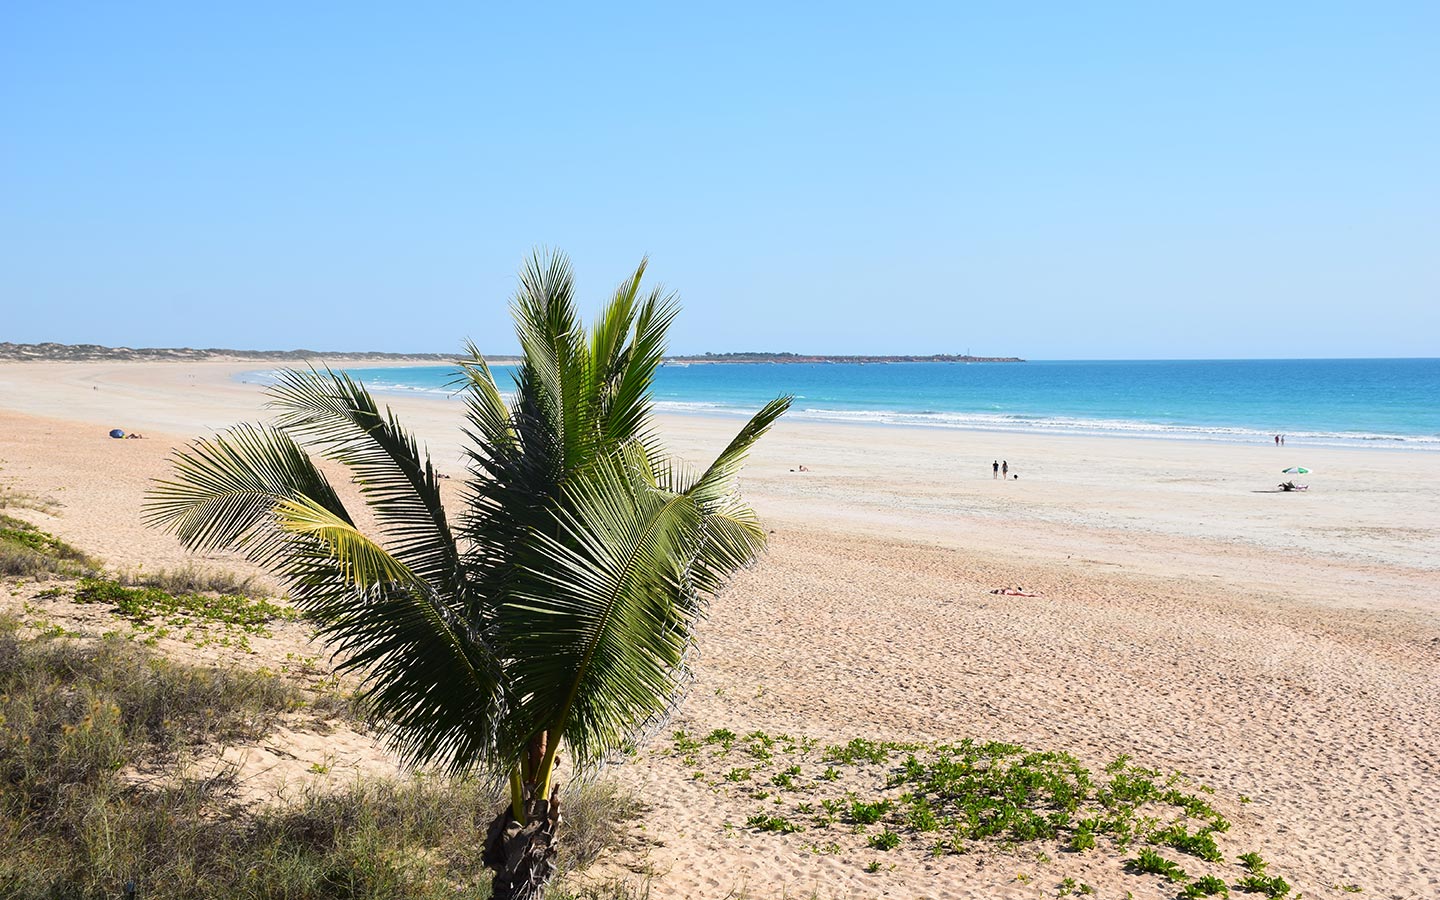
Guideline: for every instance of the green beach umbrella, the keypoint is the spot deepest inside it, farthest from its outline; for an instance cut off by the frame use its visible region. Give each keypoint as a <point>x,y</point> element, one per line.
<point>1295,470</point>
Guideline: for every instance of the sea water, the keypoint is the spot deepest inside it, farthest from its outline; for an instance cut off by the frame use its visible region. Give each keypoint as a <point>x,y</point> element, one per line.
<point>1336,402</point>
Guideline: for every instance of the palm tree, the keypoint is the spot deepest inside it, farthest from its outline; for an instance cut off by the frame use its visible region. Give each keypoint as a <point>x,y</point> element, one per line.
<point>556,613</point>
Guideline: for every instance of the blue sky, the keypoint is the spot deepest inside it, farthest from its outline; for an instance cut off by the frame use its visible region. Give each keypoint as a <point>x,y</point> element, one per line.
<point>1044,180</point>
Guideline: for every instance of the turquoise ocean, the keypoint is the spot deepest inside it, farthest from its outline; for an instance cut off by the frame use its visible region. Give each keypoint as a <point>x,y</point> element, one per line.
<point>1393,403</point>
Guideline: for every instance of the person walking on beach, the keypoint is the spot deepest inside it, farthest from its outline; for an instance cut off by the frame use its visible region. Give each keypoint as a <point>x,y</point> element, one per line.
<point>995,469</point>
<point>1277,440</point>
<point>1005,469</point>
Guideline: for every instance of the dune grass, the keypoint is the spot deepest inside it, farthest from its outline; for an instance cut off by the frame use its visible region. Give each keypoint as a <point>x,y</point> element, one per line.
<point>191,579</point>
<point>75,715</point>
<point>27,551</point>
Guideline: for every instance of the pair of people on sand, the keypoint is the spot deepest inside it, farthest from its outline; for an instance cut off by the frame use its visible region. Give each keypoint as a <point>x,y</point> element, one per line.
<point>1002,470</point>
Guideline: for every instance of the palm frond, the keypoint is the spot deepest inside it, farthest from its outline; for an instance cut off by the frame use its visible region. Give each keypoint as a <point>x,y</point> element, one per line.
<point>718,480</point>
<point>608,337</point>
<point>518,462</point>
<point>485,407</point>
<point>593,637</point>
<point>365,564</point>
<point>731,537</point>
<point>426,675</point>
<point>224,489</point>
<point>338,415</point>
<point>550,337</point>
<point>628,411</point>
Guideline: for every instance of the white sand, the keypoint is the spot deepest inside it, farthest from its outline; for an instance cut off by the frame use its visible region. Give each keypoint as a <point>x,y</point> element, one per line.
<point>1284,647</point>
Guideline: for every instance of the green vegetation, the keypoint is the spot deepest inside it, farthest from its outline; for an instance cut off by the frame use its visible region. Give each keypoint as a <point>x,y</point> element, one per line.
<point>722,736</point>
<point>954,798</point>
<point>777,824</point>
<point>1070,886</point>
<point>612,889</point>
<point>559,611</point>
<point>859,750</point>
<point>1149,861</point>
<point>201,619</point>
<point>191,579</point>
<point>1253,863</point>
<point>1205,886</point>
<point>869,813</point>
<point>597,814</point>
<point>1257,882</point>
<point>162,603</point>
<point>28,551</point>
<point>919,815</point>
<point>166,602</point>
<point>76,716</point>
<point>1201,843</point>
<point>1269,885</point>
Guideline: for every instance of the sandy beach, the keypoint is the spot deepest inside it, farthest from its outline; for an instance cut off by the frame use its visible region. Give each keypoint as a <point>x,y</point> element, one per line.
<point>1282,649</point>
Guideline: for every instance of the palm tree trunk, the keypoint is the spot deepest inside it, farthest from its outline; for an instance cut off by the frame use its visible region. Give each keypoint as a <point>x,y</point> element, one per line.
<point>523,856</point>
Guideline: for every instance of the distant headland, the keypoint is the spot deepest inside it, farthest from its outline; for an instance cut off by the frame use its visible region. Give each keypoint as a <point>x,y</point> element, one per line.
<point>806,358</point>
<point>96,352</point>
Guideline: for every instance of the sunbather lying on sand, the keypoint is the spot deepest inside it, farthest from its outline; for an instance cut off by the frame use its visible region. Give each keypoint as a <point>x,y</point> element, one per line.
<point>1014,592</point>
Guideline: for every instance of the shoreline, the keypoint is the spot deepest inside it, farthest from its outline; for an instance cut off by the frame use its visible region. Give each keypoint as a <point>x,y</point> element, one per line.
<point>1057,426</point>
<point>1377,506</point>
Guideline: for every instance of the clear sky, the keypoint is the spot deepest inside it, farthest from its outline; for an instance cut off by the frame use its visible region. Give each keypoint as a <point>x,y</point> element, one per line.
<point>1048,180</point>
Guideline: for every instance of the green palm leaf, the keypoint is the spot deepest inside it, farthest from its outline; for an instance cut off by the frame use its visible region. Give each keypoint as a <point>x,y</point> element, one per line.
<point>628,412</point>
<point>485,407</point>
<point>254,489</point>
<point>224,489</point>
<point>593,635</point>
<point>426,674</point>
<point>718,481</point>
<point>338,415</point>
